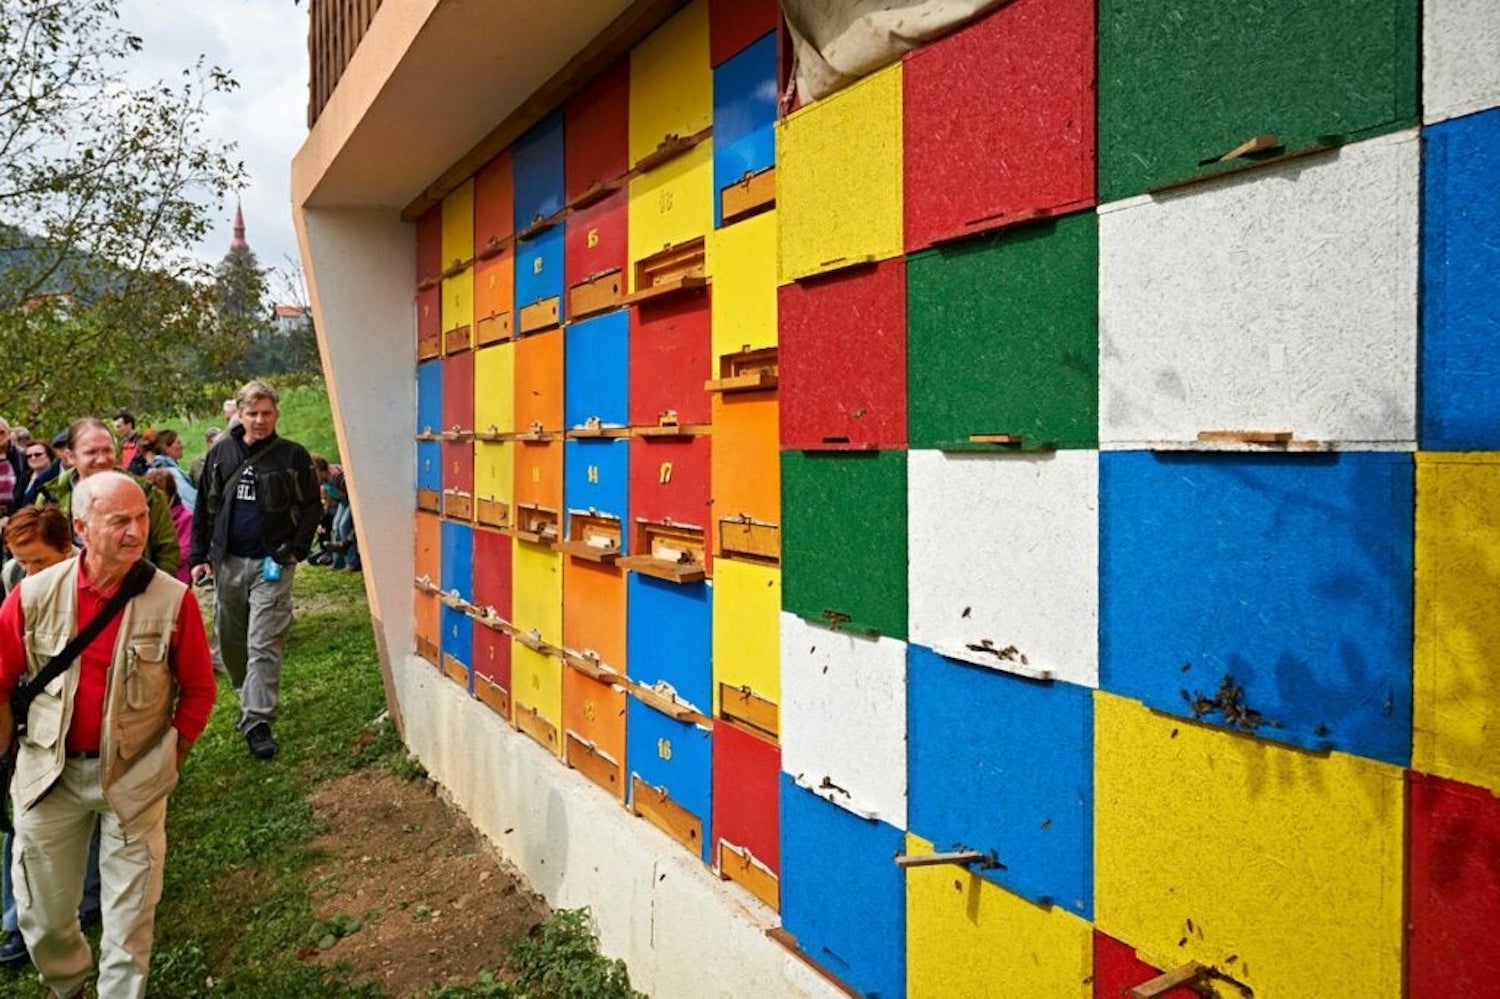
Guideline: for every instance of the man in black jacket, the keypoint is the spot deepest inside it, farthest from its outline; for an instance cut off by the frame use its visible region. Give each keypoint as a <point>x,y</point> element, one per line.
<point>258,508</point>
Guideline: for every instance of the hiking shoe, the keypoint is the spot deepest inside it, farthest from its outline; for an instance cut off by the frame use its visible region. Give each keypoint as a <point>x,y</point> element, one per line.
<point>258,737</point>
<point>13,950</point>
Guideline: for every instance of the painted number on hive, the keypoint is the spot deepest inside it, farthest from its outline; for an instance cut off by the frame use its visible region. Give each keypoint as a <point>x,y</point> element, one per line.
<point>593,238</point>
<point>664,748</point>
<point>593,475</point>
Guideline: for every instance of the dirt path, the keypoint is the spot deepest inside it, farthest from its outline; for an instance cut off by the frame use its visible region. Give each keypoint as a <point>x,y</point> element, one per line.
<point>409,896</point>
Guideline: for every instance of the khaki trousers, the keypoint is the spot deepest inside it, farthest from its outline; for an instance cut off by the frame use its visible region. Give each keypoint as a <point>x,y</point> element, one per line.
<point>51,859</point>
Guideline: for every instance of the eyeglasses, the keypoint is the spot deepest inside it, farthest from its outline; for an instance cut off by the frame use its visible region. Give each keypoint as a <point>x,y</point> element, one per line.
<point>36,454</point>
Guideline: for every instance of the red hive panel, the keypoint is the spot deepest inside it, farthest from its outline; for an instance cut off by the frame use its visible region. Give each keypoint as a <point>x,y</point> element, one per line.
<point>843,359</point>
<point>746,777</point>
<point>458,392</point>
<point>679,494</point>
<point>596,130</point>
<point>1454,897</point>
<point>999,121</point>
<point>734,24</point>
<point>670,359</point>
<point>1117,969</point>
<point>492,573</point>
<point>594,240</point>
<point>491,657</point>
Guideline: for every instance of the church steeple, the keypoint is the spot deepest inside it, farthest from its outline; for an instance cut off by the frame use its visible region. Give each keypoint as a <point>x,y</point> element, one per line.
<point>238,243</point>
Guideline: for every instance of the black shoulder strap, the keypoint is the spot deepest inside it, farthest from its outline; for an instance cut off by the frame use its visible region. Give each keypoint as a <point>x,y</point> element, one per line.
<point>239,470</point>
<point>133,585</point>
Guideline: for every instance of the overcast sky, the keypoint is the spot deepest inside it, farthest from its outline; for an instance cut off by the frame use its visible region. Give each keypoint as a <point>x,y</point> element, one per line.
<point>263,43</point>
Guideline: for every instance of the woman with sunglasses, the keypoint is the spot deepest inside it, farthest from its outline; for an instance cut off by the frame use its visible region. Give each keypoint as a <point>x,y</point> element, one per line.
<point>44,465</point>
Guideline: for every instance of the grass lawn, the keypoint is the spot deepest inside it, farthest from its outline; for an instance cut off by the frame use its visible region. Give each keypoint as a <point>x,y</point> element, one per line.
<point>305,418</point>
<point>235,909</point>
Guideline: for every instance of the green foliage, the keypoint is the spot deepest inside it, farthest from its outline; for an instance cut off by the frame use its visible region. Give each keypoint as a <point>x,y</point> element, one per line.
<point>559,960</point>
<point>305,416</point>
<point>103,184</point>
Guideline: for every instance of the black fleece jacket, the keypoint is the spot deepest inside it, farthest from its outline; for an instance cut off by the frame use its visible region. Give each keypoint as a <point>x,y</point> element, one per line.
<point>286,495</point>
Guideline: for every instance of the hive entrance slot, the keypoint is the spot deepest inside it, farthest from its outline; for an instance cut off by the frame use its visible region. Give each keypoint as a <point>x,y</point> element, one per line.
<point>676,268</point>
<point>745,371</point>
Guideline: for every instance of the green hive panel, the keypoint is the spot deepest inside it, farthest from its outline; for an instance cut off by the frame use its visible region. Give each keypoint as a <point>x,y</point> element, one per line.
<point>1186,81</point>
<point>1003,339</point>
<point>844,539</point>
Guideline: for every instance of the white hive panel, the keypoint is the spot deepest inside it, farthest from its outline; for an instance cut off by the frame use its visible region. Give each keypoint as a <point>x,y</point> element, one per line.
<point>1004,556</point>
<point>843,718</point>
<point>1280,299</point>
<point>1460,57</point>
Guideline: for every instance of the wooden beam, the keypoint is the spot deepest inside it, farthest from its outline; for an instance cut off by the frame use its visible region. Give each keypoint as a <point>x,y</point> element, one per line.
<point>635,23</point>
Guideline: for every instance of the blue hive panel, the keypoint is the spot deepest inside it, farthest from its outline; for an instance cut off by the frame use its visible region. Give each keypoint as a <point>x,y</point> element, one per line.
<point>842,895</point>
<point>430,397</point>
<point>596,366</point>
<point>458,559</point>
<point>744,115</point>
<point>668,628</point>
<point>673,756</point>
<point>595,477</point>
<point>1002,764</point>
<point>1269,594</point>
<point>1460,308</point>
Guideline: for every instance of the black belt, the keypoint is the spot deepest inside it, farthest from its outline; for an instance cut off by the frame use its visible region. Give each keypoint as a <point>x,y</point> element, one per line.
<point>91,754</point>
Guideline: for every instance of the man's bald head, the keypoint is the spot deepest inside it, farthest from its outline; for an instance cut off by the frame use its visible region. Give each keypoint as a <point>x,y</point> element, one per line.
<point>101,490</point>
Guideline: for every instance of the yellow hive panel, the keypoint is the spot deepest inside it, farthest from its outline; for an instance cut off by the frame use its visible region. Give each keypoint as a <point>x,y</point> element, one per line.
<point>671,204</point>
<point>966,936</point>
<point>537,598</point>
<point>1210,846</point>
<point>838,178</point>
<point>537,681</point>
<point>742,262</point>
<point>458,224</point>
<point>494,470</point>
<point>458,302</point>
<point>1456,717</point>
<point>746,620</point>
<point>495,388</point>
<point>671,83</point>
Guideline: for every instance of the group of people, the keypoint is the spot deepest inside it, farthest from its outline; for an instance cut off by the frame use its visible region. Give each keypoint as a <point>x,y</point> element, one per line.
<point>103,643</point>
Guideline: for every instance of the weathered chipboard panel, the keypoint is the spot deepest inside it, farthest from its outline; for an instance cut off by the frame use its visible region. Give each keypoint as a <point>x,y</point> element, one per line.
<point>1282,301</point>
<point>968,936</point>
<point>827,678</point>
<point>1195,831</point>
<point>1015,587</point>
<point>1262,593</point>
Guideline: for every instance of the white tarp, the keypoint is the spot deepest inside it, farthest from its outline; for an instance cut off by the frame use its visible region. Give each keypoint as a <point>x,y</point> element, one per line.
<point>835,42</point>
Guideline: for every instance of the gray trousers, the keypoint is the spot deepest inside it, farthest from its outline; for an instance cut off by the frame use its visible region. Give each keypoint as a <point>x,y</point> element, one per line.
<point>252,618</point>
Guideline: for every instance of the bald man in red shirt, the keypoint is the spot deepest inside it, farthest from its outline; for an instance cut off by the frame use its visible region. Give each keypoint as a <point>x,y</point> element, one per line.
<point>104,741</point>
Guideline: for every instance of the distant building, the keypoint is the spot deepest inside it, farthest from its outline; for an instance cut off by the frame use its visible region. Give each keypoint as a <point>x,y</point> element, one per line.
<point>288,319</point>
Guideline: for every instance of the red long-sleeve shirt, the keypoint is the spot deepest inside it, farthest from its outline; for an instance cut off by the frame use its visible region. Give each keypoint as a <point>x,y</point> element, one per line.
<point>190,660</point>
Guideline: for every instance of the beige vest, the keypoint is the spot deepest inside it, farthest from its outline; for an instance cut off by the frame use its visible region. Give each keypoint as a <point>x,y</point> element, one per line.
<point>137,749</point>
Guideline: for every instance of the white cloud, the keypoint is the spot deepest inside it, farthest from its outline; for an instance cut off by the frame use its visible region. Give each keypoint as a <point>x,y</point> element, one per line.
<point>263,43</point>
